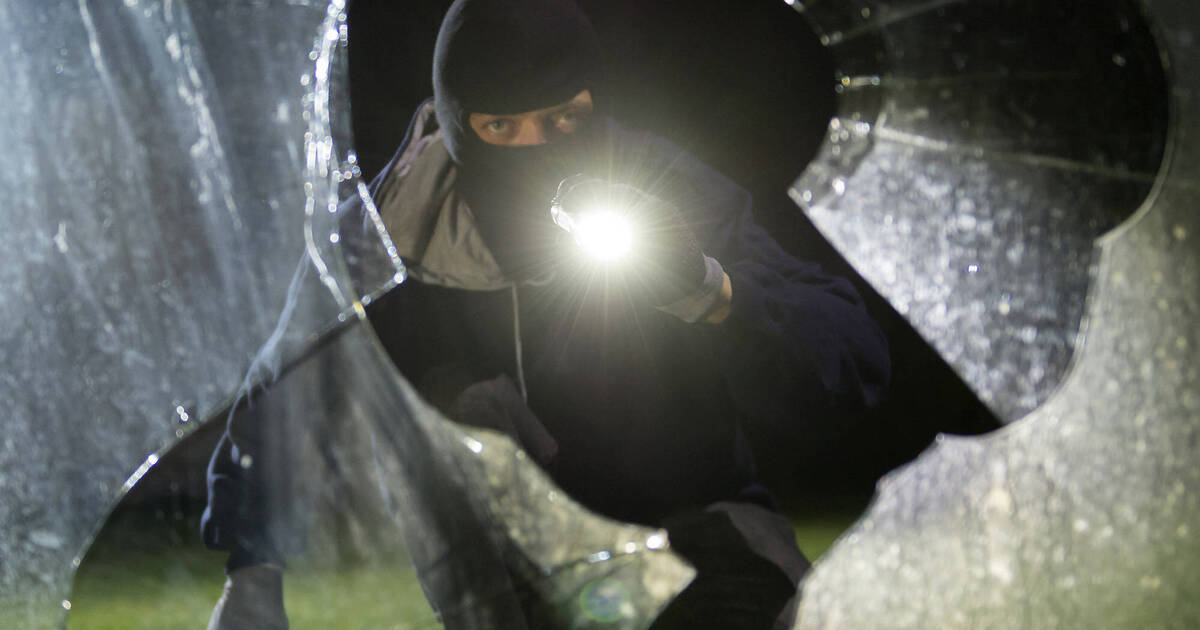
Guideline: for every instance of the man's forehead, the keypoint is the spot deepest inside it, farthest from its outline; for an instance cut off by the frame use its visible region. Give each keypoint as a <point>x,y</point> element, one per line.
<point>583,98</point>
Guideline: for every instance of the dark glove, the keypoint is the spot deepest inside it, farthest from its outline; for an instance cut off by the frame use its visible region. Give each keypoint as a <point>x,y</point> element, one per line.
<point>665,262</point>
<point>497,404</point>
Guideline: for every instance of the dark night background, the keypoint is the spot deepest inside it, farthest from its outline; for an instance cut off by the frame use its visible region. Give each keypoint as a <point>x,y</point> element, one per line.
<point>745,86</point>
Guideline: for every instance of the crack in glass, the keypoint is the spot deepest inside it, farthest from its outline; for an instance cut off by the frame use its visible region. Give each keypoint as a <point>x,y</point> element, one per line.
<point>1081,513</point>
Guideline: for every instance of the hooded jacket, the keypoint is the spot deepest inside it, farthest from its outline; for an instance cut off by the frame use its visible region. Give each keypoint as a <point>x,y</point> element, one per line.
<point>646,411</point>
<point>634,412</point>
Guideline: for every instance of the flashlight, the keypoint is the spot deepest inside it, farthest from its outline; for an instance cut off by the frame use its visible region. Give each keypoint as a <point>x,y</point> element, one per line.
<point>602,231</point>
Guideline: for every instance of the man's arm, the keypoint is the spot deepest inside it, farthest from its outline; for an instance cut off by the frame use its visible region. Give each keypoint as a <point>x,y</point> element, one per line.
<point>788,336</point>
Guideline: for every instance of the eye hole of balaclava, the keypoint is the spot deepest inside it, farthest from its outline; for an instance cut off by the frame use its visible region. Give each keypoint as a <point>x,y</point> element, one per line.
<point>507,57</point>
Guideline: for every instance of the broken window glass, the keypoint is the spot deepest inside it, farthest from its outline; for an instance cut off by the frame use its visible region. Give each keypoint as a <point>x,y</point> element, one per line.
<point>984,172</point>
<point>184,262</point>
<point>978,152</point>
<point>175,179</point>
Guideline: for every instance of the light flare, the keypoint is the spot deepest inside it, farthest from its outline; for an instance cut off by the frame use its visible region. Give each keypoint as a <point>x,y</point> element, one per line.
<point>603,235</point>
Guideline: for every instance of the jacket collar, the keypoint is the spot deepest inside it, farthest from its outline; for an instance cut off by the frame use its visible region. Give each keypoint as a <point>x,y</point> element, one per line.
<point>431,225</point>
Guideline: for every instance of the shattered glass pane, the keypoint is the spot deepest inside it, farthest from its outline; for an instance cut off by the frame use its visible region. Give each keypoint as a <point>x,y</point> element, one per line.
<point>979,150</point>
<point>175,184</point>
<point>1084,513</point>
<point>156,237</point>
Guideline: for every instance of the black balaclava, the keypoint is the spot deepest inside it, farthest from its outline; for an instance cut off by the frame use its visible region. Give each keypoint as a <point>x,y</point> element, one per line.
<point>508,57</point>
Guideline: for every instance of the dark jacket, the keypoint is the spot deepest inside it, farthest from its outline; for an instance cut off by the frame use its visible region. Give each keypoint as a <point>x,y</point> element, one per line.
<point>643,413</point>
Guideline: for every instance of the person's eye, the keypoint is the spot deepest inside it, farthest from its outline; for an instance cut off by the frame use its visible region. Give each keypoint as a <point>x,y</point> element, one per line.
<point>569,121</point>
<point>498,127</point>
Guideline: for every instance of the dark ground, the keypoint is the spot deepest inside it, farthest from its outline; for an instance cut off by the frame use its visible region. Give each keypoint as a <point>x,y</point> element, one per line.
<point>746,87</point>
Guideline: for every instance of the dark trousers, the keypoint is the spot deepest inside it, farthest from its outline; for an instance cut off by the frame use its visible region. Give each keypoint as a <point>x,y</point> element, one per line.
<point>748,568</point>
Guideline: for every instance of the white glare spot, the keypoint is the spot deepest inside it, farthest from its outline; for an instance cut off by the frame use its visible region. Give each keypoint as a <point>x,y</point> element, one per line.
<point>60,237</point>
<point>655,541</point>
<point>839,186</point>
<point>66,604</point>
<point>630,547</point>
<point>599,556</point>
<point>334,238</point>
<point>1000,569</point>
<point>998,502</point>
<point>246,461</point>
<point>46,539</point>
<point>475,445</point>
<point>603,235</point>
<point>173,47</point>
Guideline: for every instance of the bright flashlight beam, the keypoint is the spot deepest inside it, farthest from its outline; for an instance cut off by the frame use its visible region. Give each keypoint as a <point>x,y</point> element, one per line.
<point>603,235</point>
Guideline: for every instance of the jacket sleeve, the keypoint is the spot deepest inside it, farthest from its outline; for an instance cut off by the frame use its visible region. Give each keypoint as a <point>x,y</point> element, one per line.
<point>252,512</point>
<point>796,339</point>
<point>248,489</point>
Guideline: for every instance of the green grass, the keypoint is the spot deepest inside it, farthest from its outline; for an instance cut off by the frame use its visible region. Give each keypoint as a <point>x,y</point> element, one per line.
<point>136,589</point>
<point>133,590</point>
<point>123,588</point>
<point>816,535</point>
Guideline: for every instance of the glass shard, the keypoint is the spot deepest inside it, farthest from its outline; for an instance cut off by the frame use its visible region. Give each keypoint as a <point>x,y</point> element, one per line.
<point>1083,513</point>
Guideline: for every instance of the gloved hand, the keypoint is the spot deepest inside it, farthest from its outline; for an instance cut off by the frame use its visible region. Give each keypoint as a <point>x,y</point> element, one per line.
<point>252,600</point>
<point>665,263</point>
<point>497,404</point>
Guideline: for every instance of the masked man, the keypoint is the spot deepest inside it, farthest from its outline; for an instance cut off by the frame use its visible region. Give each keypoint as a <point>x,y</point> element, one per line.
<point>628,375</point>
